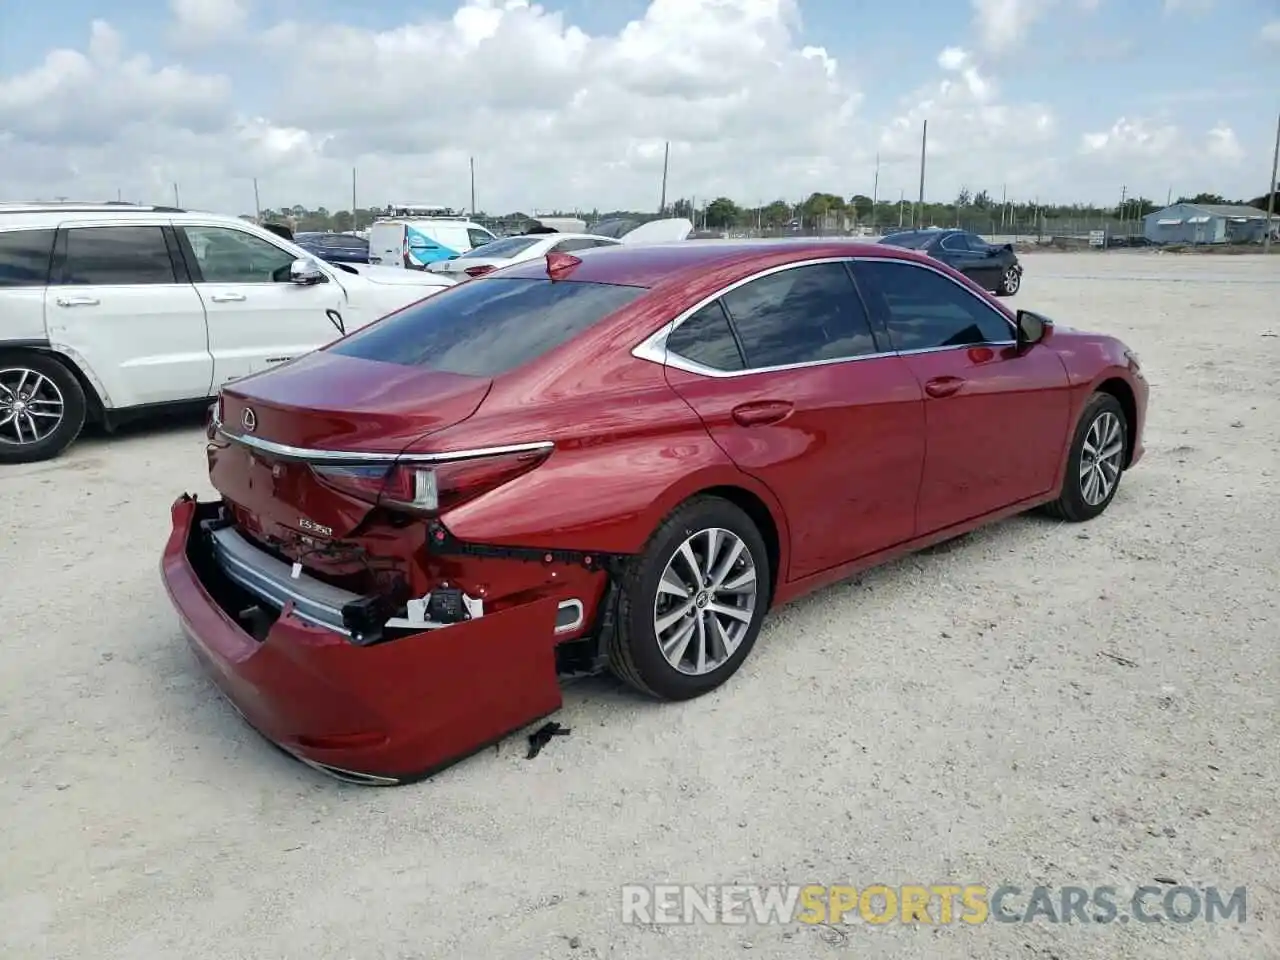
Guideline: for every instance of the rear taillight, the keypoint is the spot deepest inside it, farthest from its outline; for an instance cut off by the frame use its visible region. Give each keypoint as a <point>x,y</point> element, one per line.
<point>479,271</point>
<point>428,488</point>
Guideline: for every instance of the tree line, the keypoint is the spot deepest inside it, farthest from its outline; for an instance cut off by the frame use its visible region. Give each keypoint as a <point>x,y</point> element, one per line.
<point>818,209</point>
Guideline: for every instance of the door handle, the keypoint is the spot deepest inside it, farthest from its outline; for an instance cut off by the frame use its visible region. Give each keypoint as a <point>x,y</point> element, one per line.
<point>943,386</point>
<point>227,297</point>
<point>77,301</point>
<point>761,413</point>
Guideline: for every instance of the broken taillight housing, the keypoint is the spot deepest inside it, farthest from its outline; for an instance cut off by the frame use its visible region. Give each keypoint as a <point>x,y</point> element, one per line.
<point>427,488</point>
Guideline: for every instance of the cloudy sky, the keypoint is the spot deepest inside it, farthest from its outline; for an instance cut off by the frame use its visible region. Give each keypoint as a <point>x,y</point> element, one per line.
<point>567,103</point>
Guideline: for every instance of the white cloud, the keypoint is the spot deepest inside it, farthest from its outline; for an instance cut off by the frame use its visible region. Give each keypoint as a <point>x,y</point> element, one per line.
<point>554,116</point>
<point>1003,24</point>
<point>1224,145</point>
<point>1270,32</point>
<point>975,138</point>
<point>1188,6</point>
<point>1145,154</point>
<point>197,22</point>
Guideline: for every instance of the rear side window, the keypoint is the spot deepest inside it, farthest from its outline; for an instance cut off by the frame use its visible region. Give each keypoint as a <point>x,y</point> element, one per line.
<point>707,339</point>
<point>24,257</point>
<point>486,327</point>
<point>98,256</point>
<point>800,315</point>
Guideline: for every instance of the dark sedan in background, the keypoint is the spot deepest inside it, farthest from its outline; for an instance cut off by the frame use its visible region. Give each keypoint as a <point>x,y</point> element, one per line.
<point>993,267</point>
<point>334,247</point>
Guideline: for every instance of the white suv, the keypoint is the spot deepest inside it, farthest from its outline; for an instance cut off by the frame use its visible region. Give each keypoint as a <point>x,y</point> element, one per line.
<point>112,310</point>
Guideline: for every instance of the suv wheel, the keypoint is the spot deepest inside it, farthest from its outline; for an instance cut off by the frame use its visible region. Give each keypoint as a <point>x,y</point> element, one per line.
<point>42,407</point>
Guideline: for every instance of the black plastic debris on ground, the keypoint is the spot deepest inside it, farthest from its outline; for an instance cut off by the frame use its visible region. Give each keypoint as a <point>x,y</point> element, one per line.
<point>542,736</point>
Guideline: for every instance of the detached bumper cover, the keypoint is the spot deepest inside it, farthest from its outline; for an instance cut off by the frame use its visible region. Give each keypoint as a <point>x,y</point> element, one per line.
<point>387,712</point>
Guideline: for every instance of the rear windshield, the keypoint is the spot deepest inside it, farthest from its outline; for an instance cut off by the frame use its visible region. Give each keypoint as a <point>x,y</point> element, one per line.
<point>912,241</point>
<point>485,327</point>
<point>507,247</point>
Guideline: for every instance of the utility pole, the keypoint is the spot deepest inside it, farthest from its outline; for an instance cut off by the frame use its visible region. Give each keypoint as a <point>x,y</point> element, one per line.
<point>473,186</point>
<point>257,204</point>
<point>666,156</point>
<point>1004,203</point>
<point>355,218</point>
<point>176,201</point>
<point>924,140</point>
<point>1271,195</point>
<point>902,199</point>
<point>119,195</point>
<point>1168,198</point>
<point>875,194</point>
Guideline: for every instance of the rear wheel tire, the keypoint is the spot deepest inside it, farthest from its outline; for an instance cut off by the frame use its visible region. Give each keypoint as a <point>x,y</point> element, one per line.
<point>691,604</point>
<point>42,407</point>
<point>1010,283</point>
<point>1096,462</point>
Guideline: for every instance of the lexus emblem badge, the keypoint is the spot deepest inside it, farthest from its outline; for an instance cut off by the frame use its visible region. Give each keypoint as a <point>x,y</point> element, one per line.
<point>249,420</point>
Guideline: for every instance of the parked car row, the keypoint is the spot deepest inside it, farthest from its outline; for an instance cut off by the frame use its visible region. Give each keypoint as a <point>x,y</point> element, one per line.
<point>613,458</point>
<point>111,310</point>
<point>509,250</point>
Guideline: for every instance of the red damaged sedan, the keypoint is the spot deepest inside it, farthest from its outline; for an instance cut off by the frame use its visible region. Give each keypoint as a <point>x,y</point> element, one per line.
<point>615,460</point>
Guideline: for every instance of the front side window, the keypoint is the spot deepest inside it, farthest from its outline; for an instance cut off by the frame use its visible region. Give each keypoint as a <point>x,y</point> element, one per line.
<point>24,257</point>
<point>479,238</point>
<point>924,310</point>
<point>232,256</point>
<point>488,326</point>
<point>101,256</point>
<point>800,315</point>
<point>707,339</point>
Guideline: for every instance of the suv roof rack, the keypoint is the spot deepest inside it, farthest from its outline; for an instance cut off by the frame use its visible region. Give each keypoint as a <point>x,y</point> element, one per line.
<point>81,206</point>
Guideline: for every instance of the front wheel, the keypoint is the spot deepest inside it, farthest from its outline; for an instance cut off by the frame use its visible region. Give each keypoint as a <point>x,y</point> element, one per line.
<point>1096,461</point>
<point>691,605</point>
<point>1010,282</point>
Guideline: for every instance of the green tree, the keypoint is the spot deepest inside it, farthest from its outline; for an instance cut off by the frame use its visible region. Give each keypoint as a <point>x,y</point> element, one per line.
<point>721,212</point>
<point>860,205</point>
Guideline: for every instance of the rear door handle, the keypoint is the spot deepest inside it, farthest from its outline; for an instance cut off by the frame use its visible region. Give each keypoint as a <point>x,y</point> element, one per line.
<point>761,412</point>
<point>77,301</point>
<point>227,297</point>
<point>943,386</point>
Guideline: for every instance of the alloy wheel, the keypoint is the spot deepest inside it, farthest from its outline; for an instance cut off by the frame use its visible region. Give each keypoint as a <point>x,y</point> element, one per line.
<point>706,600</point>
<point>31,406</point>
<point>1012,280</point>
<point>1100,458</point>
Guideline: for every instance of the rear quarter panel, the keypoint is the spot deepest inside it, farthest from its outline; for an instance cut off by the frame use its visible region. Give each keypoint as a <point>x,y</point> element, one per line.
<point>628,452</point>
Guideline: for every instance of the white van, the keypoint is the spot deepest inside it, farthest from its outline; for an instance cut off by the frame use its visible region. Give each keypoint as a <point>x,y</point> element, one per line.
<point>415,242</point>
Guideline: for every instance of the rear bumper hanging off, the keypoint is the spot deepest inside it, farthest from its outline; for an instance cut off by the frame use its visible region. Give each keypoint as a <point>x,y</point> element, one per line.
<point>384,713</point>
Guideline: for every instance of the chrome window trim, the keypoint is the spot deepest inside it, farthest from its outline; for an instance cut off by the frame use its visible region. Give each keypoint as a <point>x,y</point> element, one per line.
<point>654,347</point>
<point>315,455</point>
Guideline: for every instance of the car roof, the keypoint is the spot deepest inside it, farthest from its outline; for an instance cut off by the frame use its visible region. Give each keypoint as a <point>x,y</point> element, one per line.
<point>650,265</point>
<point>35,214</point>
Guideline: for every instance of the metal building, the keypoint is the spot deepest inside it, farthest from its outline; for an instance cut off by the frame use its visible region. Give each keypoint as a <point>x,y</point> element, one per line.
<point>1205,223</point>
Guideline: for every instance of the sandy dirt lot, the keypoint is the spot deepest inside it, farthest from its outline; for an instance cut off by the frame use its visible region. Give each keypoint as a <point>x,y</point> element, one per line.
<point>1034,704</point>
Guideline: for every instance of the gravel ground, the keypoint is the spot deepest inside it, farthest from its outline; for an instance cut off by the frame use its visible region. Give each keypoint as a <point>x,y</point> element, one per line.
<point>1035,703</point>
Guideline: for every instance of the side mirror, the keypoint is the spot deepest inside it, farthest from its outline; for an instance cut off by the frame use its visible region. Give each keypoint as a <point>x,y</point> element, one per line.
<point>305,271</point>
<point>1032,328</point>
